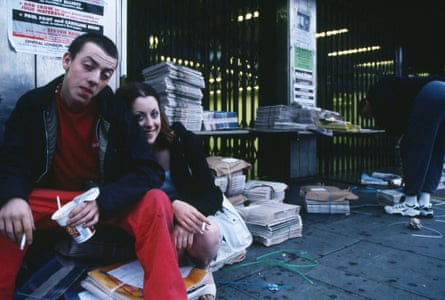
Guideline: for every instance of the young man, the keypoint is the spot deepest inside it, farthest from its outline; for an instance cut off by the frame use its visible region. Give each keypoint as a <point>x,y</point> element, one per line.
<point>70,135</point>
<point>413,108</point>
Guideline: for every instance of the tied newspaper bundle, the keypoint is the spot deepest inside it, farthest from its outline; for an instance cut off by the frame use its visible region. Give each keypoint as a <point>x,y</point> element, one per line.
<point>389,196</point>
<point>230,176</point>
<point>272,222</point>
<point>264,190</point>
<point>327,199</point>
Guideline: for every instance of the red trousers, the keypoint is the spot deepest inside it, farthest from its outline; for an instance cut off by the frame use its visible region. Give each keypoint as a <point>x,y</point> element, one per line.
<point>150,221</point>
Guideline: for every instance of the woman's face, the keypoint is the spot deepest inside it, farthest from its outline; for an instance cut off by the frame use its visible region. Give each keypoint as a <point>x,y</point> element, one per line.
<point>148,115</point>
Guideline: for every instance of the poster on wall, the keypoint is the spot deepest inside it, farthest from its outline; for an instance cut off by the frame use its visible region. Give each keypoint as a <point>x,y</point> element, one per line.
<point>302,54</point>
<point>47,27</point>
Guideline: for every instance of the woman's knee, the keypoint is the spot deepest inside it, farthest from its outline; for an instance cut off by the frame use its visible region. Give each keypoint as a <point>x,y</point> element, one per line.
<point>206,245</point>
<point>155,197</point>
<point>213,235</point>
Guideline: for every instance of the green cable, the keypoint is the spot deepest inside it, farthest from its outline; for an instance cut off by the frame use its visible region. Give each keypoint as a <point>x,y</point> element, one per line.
<point>280,263</point>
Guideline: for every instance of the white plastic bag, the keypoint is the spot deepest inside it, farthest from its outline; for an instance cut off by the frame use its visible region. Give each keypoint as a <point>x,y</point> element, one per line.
<point>235,236</point>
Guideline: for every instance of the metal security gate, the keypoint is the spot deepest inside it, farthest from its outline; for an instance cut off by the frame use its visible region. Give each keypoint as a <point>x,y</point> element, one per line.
<point>226,41</point>
<point>218,38</point>
<point>352,55</point>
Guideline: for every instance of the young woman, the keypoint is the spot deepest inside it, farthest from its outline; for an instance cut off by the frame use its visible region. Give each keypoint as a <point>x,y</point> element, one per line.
<point>188,180</point>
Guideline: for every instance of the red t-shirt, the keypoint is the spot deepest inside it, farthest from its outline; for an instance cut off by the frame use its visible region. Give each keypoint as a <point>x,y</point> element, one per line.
<point>76,159</point>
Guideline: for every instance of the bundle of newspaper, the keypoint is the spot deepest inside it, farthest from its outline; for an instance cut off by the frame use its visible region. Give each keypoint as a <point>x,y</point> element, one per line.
<point>381,178</point>
<point>327,199</point>
<point>179,88</point>
<point>229,176</point>
<point>272,222</point>
<point>283,117</point>
<point>389,196</point>
<point>124,281</point>
<point>264,190</point>
<point>219,120</point>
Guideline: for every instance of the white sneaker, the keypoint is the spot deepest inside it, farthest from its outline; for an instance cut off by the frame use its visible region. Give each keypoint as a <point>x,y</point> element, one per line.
<point>426,211</point>
<point>403,209</point>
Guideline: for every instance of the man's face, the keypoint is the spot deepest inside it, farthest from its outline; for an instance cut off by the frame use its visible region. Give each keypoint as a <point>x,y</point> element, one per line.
<point>85,75</point>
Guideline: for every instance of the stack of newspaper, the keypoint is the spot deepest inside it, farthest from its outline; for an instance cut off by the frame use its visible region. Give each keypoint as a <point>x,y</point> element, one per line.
<point>290,117</point>
<point>179,88</point>
<point>389,196</point>
<point>327,199</point>
<point>272,222</point>
<point>279,117</point>
<point>261,190</point>
<point>219,120</point>
<point>229,176</point>
<point>124,281</point>
<point>380,178</point>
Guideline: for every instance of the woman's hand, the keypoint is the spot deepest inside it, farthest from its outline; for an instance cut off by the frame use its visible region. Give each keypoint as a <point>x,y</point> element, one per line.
<point>183,238</point>
<point>189,217</point>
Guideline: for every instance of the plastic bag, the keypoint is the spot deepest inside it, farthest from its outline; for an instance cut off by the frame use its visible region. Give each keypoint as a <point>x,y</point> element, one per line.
<point>235,236</point>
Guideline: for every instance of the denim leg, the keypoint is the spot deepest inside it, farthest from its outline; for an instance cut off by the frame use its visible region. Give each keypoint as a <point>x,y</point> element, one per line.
<point>423,145</point>
<point>437,161</point>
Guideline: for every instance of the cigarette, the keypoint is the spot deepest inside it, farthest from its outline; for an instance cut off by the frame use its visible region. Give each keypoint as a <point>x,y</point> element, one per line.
<point>59,205</point>
<point>203,227</point>
<point>23,241</point>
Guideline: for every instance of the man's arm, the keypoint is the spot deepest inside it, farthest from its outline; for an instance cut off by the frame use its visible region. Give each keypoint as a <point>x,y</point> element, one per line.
<point>16,219</point>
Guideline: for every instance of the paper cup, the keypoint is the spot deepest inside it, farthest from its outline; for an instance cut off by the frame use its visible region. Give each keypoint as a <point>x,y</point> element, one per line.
<point>79,233</point>
<point>89,195</point>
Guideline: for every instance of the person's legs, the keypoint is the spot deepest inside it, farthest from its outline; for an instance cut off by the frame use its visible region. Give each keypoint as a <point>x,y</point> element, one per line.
<point>43,204</point>
<point>204,249</point>
<point>423,135</point>
<point>10,259</point>
<point>205,246</point>
<point>421,147</point>
<point>151,223</point>
<point>435,169</point>
<point>433,175</point>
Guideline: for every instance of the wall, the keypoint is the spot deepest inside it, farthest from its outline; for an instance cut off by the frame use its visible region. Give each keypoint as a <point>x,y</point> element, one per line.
<point>22,71</point>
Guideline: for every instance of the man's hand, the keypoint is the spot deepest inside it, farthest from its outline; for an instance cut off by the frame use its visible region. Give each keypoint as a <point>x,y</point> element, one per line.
<point>16,219</point>
<point>86,213</point>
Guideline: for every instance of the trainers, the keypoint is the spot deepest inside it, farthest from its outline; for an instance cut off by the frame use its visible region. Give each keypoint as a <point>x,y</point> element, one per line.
<point>402,209</point>
<point>426,211</point>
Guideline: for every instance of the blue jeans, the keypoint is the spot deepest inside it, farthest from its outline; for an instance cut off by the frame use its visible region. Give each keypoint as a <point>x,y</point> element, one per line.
<point>423,145</point>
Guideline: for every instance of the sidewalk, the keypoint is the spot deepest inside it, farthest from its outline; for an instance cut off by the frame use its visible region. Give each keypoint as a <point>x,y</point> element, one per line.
<point>365,255</point>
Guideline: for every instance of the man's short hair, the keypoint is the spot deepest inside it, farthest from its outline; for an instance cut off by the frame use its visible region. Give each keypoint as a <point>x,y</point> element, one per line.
<point>98,39</point>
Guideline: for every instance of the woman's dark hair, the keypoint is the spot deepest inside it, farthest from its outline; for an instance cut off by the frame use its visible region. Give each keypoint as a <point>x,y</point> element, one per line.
<point>100,40</point>
<point>132,90</point>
